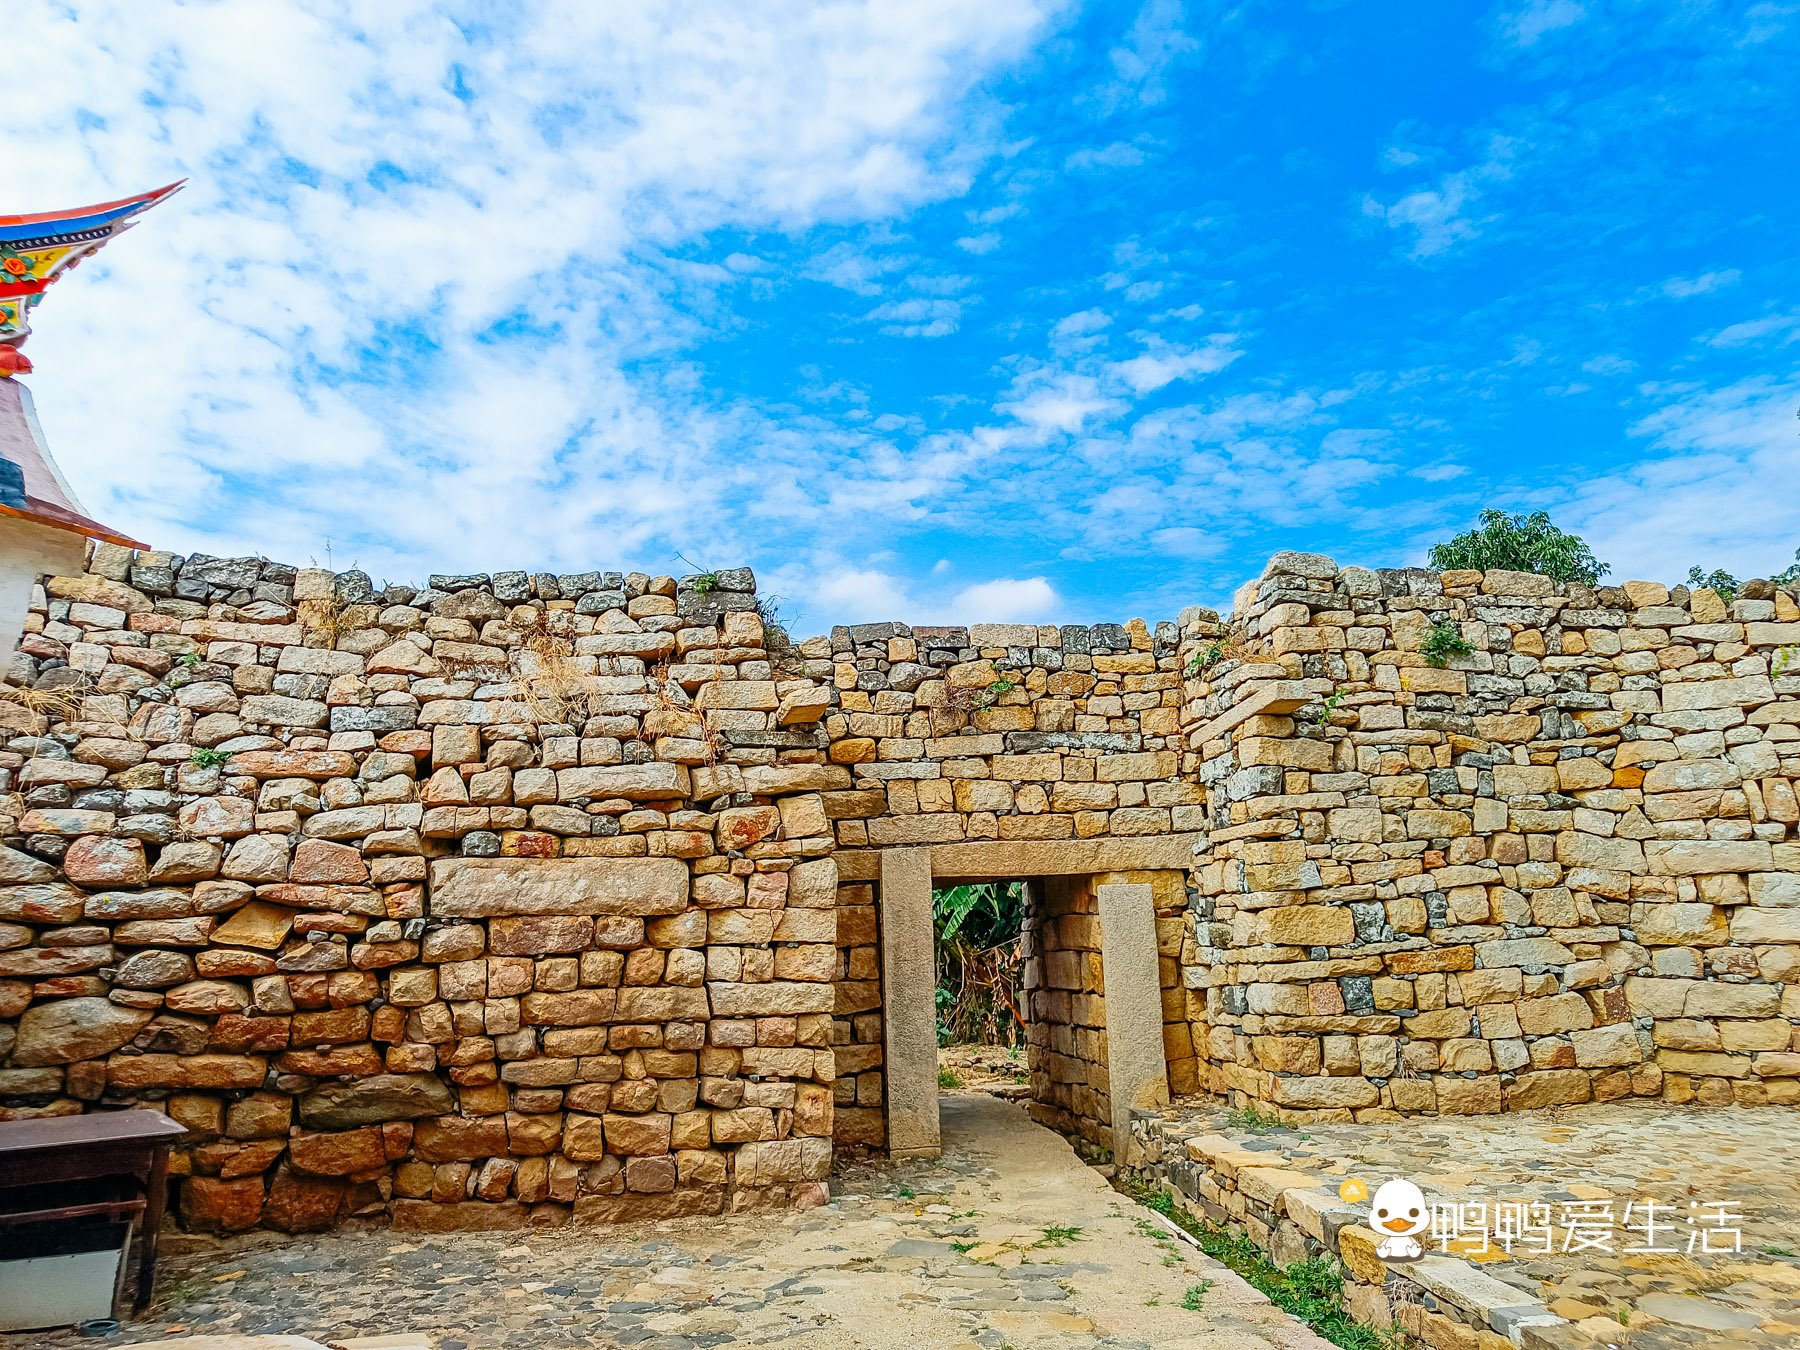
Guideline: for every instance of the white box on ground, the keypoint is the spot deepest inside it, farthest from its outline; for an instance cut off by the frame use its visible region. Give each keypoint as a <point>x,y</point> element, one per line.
<point>57,1275</point>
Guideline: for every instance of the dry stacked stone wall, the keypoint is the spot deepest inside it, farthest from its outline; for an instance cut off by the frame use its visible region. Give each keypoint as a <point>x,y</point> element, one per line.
<point>523,898</point>
<point>1558,868</point>
<point>510,899</point>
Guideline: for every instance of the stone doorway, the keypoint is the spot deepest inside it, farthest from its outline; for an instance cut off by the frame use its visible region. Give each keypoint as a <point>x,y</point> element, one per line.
<point>1094,979</point>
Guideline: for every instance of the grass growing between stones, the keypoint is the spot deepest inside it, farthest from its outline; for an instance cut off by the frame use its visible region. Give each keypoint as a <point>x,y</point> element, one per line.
<point>170,1296</point>
<point>1249,1118</point>
<point>1311,1290</point>
<point>1195,1294</point>
<point>1444,642</point>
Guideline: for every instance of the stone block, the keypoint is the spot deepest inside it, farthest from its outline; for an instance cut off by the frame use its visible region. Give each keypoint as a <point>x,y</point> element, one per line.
<point>651,781</point>
<point>1751,924</point>
<point>485,887</point>
<point>1680,924</point>
<point>1322,1092</point>
<point>1306,925</point>
<point>1697,857</point>
<point>1308,755</point>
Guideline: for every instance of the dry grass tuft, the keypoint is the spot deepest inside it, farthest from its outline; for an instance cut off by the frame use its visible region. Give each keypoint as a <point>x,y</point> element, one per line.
<point>56,705</point>
<point>551,681</point>
<point>329,617</point>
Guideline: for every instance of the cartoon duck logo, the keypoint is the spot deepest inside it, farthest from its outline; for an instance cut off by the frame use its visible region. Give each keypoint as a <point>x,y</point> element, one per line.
<point>1398,1212</point>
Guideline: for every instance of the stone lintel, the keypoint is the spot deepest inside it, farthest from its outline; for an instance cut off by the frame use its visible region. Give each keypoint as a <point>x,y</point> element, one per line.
<point>1277,698</point>
<point>1035,858</point>
<point>1062,857</point>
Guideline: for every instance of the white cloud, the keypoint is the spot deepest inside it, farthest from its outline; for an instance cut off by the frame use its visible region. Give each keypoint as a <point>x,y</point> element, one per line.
<point>419,297</point>
<point>1711,492</point>
<point>1163,362</point>
<point>1118,155</point>
<point>840,593</point>
<point>1008,600</point>
<point>849,268</point>
<point>1680,288</point>
<point>1081,324</point>
<point>1526,24</point>
<point>862,597</point>
<point>1609,363</point>
<point>1755,330</point>
<point>1438,473</point>
<point>1189,541</point>
<point>916,317</point>
<point>1157,40</point>
<point>1053,400</point>
<point>1436,215</point>
<point>1448,212</point>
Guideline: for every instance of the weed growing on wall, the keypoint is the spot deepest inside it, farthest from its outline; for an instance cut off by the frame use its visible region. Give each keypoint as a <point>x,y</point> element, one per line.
<point>1326,709</point>
<point>1442,643</point>
<point>1211,657</point>
<point>185,666</point>
<point>975,698</point>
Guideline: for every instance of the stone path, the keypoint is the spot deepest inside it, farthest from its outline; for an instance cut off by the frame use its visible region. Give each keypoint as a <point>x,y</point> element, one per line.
<point>1584,1166</point>
<point>998,1070</point>
<point>1006,1241</point>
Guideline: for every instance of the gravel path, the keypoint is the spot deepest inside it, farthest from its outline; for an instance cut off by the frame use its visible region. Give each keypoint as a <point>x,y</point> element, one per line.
<point>1008,1240</point>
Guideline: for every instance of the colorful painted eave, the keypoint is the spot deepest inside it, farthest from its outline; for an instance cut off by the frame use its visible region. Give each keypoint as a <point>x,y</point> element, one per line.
<point>37,249</point>
<point>81,218</point>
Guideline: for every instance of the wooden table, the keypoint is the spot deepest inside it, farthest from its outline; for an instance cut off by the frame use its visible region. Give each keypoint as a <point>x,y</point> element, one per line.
<point>101,1144</point>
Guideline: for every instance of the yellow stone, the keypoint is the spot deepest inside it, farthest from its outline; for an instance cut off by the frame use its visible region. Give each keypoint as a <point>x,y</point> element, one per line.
<point>1356,1245</point>
<point>1573,1309</point>
<point>255,925</point>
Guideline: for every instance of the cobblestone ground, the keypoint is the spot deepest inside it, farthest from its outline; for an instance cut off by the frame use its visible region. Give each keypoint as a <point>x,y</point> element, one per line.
<point>1588,1163</point>
<point>1006,1241</point>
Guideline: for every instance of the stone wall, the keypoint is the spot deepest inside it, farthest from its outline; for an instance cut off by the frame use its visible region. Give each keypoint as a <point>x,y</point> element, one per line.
<point>1558,868</point>
<point>514,898</point>
<point>525,897</point>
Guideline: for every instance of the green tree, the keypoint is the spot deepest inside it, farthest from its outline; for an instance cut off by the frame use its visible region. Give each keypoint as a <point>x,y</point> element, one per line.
<point>980,961</point>
<point>1521,544</point>
<point>1727,585</point>
<point>1716,580</point>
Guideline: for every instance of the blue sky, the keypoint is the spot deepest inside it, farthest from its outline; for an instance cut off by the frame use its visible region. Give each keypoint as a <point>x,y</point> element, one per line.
<point>927,311</point>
